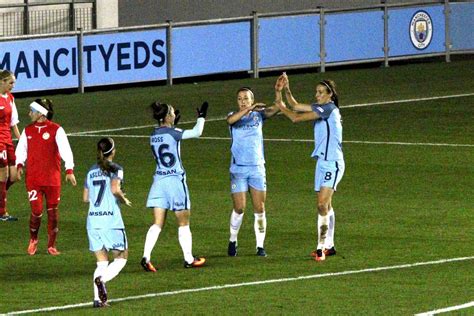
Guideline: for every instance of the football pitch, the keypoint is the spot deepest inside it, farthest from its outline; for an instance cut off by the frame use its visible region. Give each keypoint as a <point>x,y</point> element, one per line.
<point>404,209</point>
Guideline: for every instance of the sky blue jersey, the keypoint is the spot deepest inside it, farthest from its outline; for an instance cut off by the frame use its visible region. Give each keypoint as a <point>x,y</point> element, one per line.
<point>165,145</point>
<point>327,132</point>
<point>104,210</point>
<point>247,140</point>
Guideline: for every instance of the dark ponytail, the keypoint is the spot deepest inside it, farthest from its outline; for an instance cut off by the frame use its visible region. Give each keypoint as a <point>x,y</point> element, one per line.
<point>160,110</point>
<point>105,148</point>
<point>48,105</point>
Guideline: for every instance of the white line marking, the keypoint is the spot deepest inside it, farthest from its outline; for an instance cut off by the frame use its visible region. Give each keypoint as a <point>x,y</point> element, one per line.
<point>447,309</point>
<point>342,107</point>
<point>235,285</point>
<point>298,140</point>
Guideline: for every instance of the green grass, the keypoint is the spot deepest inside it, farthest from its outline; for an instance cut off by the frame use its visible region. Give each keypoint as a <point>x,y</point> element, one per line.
<point>397,204</point>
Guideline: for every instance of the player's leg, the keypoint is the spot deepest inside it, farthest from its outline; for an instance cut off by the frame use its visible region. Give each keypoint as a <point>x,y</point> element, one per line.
<point>52,194</point>
<point>12,172</point>
<point>239,188</point>
<point>35,197</point>
<point>258,192</point>
<point>159,219</point>
<point>96,245</point>
<point>3,182</point>
<point>120,253</point>
<point>185,238</point>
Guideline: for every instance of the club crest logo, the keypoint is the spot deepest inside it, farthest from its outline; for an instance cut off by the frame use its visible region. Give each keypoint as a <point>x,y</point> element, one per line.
<point>46,136</point>
<point>421,30</point>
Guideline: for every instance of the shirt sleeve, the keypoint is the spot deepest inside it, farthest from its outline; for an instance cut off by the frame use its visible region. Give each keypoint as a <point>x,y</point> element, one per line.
<point>64,148</point>
<point>196,131</point>
<point>21,149</point>
<point>15,119</point>
<point>323,111</point>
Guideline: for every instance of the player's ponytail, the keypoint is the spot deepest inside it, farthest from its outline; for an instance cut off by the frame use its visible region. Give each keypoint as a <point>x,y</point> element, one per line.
<point>160,111</point>
<point>105,148</point>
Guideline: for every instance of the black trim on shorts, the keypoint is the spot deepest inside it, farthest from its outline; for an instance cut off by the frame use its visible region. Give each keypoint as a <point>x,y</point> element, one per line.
<point>335,177</point>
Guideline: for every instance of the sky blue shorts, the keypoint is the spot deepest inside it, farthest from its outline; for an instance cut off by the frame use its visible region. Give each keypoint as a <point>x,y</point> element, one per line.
<point>243,177</point>
<point>328,174</point>
<point>170,193</point>
<point>109,239</point>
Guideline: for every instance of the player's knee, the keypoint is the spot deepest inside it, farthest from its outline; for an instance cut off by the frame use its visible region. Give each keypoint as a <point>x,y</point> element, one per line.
<point>323,208</point>
<point>239,210</point>
<point>37,211</point>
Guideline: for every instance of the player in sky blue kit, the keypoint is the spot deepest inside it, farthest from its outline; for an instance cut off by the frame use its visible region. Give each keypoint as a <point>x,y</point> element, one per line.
<point>105,228</point>
<point>247,167</point>
<point>169,190</point>
<point>327,152</point>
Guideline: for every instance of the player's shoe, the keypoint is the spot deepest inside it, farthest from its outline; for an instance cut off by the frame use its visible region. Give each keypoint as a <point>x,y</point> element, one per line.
<point>197,263</point>
<point>320,256</point>
<point>232,249</point>
<point>99,304</point>
<point>101,288</point>
<point>8,218</point>
<point>261,252</point>
<point>32,247</point>
<point>327,252</point>
<point>147,266</point>
<point>53,251</point>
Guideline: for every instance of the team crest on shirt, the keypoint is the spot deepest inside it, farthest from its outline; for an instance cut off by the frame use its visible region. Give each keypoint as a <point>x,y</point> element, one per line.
<point>46,136</point>
<point>421,30</point>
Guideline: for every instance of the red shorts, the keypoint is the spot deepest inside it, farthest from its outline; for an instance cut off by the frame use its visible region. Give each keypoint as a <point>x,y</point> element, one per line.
<point>7,155</point>
<point>36,193</point>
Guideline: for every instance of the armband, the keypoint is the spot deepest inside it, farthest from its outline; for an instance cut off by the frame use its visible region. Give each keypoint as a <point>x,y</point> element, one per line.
<point>69,171</point>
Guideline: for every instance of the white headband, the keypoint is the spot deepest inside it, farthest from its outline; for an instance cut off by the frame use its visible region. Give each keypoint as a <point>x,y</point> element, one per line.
<point>112,148</point>
<point>38,108</point>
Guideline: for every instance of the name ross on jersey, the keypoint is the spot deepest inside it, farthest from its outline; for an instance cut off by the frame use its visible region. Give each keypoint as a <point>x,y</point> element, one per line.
<point>157,139</point>
<point>101,213</point>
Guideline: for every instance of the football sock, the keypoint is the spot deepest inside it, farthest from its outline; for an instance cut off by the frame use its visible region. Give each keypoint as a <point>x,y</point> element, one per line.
<point>35,223</point>
<point>260,227</point>
<point>330,236</point>
<point>99,271</point>
<point>9,183</point>
<point>186,241</point>
<point>150,240</point>
<point>3,197</point>
<point>113,269</point>
<point>323,222</point>
<point>53,216</point>
<point>235,223</point>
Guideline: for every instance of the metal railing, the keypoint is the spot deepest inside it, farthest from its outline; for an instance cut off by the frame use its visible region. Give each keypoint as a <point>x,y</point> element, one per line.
<point>47,17</point>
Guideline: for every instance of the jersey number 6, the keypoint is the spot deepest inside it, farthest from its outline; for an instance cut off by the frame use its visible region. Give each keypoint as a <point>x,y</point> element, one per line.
<point>163,156</point>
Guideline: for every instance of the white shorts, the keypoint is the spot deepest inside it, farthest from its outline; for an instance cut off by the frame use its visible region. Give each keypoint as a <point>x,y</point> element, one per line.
<point>108,239</point>
<point>328,174</point>
<point>169,193</point>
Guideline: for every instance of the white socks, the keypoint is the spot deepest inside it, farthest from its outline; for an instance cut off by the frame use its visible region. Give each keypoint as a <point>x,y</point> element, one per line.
<point>99,271</point>
<point>260,227</point>
<point>186,241</point>
<point>150,240</point>
<point>235,223</point>
<point>113,269</point>
<point>330,236</point>
<point>107,272</point>
<point>323,226</point>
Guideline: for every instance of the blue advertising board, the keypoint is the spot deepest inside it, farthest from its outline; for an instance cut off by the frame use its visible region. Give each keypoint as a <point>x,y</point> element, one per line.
<point>415,31</point>
<point>210,49</point>
<point>41,64</point>
<point>285,41</point>
<point>124,57</point>
<point>354,36</point>
<point>461,26</point>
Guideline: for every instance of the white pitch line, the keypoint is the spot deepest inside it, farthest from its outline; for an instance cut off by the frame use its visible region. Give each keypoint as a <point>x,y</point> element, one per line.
<point>447,309</point>
<point>298,140</point>
<point>342,107</point>
<point>243,284</point>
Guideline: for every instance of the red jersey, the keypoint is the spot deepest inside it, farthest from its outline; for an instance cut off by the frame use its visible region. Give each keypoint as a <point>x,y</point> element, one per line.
<point>43,145</point>
<point>8,117</point>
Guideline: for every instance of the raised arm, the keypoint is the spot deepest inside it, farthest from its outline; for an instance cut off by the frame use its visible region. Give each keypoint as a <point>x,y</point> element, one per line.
<point>196,132</point>
<point>295,105</point>
<point>297,117</point>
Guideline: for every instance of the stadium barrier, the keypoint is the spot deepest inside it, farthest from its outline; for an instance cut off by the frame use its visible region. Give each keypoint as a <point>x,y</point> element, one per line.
<point>260,42</point>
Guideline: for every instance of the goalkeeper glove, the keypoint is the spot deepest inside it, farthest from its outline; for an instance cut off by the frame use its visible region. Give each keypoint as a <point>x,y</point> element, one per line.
<point>202,112</point>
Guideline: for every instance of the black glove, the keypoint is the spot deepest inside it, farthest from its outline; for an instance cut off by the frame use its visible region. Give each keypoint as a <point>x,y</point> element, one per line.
<point>202,112</point>
<point>177,117</point>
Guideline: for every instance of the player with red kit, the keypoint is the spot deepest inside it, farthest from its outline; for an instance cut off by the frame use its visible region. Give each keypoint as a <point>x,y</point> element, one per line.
<point>42,145</point>
<point>8,122</point>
